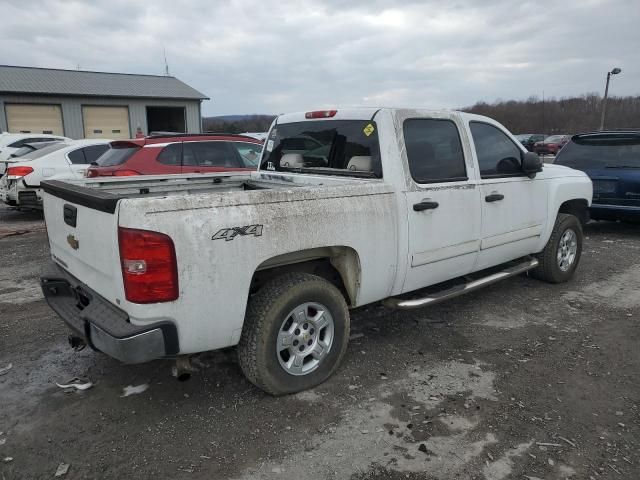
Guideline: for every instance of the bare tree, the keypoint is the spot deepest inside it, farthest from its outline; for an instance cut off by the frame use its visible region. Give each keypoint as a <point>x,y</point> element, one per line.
<point>567,115</point>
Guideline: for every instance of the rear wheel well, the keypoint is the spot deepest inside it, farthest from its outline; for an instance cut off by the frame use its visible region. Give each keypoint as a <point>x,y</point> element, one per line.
<point>338,265</point>
<point>578,207</point>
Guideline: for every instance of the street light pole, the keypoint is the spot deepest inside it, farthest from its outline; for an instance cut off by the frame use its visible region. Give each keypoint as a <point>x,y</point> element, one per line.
<point>615,71</point>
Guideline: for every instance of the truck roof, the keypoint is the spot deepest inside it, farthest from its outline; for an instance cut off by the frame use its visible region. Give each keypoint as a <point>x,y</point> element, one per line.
<point>353,113</point>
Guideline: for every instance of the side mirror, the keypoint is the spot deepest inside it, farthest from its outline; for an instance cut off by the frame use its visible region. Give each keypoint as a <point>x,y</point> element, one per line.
<point>531,164</point>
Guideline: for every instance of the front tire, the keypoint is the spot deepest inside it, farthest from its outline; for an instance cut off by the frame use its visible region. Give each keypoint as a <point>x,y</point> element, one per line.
<point>295,334</point>
<point>561,255</point>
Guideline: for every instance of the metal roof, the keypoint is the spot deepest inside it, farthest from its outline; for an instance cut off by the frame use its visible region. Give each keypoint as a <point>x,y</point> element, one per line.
<point>49,81</point>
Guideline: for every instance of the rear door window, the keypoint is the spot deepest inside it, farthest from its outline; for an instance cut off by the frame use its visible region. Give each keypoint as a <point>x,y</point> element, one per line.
<point>171,155</point>
<point>211,154</point>
<point>434,150</point>
<point>333,147</point>
<point>77,157</point>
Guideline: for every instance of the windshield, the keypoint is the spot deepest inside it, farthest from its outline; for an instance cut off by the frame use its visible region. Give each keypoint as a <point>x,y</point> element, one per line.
<point>116,155</point>
<point>334,147</point>
<point>523,136</point>
<point>43,151</point>
<point>250,153</point>
<point>601,153</point>
<point>23,151</point>
<point>554,139</point>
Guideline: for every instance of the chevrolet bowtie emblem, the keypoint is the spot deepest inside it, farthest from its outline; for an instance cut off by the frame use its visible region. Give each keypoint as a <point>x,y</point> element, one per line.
<point>71,240</point>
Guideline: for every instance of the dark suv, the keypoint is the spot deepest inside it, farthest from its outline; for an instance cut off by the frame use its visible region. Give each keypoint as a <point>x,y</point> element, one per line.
<point>178,153</point>
<point>530,139</point>
<point>612,161</point>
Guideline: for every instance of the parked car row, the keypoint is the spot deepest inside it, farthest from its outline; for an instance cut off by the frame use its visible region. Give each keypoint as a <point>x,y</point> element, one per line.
<point>174,154</point>
<point>162,154</point>
<point>20,186</point>
<point>543,144</point>
<point>12,143</point>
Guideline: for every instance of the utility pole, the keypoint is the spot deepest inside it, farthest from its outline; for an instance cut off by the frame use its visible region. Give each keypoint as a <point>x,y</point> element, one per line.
<point>615,71</point>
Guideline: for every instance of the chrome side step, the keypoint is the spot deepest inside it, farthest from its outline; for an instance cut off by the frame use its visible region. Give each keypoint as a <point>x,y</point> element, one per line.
<point>437,297</point>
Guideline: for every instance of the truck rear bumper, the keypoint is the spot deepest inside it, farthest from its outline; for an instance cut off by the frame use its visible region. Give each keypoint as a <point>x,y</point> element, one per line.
<point>102,325</point>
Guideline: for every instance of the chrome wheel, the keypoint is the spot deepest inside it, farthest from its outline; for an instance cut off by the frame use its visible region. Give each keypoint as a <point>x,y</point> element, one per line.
<point>567,249</point>
<point>305,338</point>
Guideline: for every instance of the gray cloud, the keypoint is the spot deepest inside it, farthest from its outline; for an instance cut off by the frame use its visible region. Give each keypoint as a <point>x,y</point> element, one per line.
<point>269,57</point>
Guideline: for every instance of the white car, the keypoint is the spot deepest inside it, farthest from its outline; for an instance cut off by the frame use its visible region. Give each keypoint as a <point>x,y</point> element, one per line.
<point>59,161</point>
<point>272,260</point>
<point>11,142</point>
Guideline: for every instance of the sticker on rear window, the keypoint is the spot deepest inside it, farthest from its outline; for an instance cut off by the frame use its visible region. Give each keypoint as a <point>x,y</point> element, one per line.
<point>269,145</point>
<point>369,129</point>
<point>274,132</point>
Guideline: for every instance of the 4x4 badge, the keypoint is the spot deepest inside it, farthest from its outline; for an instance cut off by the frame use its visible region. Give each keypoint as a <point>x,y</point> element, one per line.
<point>230,233</point>
<point>73,242</point>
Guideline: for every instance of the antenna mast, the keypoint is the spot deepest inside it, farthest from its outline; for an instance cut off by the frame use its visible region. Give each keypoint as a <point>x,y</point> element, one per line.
<point>166,65</point>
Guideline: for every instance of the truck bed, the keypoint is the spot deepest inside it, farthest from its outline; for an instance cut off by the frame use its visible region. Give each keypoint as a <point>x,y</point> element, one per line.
<point>103,194</point>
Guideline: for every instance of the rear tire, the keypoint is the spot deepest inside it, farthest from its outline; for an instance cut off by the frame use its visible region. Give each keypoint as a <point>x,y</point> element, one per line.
<point>295,334</point>
<point>561,255</point>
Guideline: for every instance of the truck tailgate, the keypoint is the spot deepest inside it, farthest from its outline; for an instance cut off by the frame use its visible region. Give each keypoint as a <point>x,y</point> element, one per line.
<point>84,241</point>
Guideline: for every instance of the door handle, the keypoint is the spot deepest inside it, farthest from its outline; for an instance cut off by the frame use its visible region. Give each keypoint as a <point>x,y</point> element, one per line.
<point>425,205</point>
<point>494,197</point>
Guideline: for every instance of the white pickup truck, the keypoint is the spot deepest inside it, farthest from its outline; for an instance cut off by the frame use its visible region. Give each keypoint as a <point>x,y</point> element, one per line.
<point>347,207</point>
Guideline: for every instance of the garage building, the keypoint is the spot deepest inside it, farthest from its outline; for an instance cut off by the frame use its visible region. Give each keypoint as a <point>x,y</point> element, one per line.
<point>81,104</point>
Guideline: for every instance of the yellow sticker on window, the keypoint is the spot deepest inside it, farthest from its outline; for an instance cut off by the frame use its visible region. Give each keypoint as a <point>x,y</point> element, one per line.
<point>369,129</point>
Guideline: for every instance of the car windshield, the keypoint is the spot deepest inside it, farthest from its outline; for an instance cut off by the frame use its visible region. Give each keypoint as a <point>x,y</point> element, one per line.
<point>23,151</point>
<point>117,155</point>
<point>601,153</point>
<point>523,136</point>
<point>43,151</point>
<point>333,147</point>
<point>250,152</point>
<point>553,139</point>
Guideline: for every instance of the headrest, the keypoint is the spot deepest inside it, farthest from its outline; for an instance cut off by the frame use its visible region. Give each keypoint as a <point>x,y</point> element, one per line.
<point>294,160</point>
<point>361,163</point>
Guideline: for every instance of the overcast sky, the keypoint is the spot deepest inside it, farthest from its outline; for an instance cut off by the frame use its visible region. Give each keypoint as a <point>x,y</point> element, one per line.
<point>263,56</point>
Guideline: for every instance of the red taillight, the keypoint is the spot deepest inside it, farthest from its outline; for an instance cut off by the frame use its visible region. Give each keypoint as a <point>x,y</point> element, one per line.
<point>91,173</point>
<point>18,172</point>
<point>321,114</point>
<point>125,173</point>
<point>149,267</point>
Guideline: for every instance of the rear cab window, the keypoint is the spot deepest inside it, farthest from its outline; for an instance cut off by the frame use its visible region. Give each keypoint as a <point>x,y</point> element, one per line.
<point>330,147</point>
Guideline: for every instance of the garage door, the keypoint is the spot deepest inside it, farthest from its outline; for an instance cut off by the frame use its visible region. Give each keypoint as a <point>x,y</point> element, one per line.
<point>106,122</point>
<point>34,119</point>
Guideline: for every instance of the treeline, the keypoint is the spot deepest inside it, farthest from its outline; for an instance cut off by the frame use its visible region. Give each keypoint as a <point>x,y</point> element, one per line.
<point>237,123</point>
<point>553,115</point>
<point>563,115</point>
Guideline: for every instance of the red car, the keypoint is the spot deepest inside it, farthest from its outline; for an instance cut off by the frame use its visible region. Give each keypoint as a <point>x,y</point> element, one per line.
<point>551,145</point>
<point>178,153</point>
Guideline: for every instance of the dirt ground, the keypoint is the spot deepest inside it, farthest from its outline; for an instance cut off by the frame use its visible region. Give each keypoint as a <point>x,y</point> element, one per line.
<point>521,380</point>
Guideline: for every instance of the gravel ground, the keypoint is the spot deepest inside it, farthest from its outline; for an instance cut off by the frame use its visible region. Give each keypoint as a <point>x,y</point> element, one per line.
<point>520,380</point>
